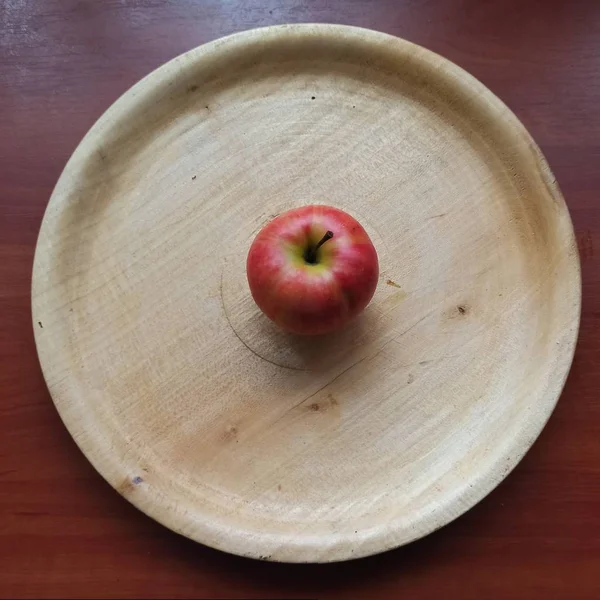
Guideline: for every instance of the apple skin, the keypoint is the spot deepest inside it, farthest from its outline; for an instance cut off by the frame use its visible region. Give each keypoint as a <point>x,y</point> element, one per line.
<point>306,298</point>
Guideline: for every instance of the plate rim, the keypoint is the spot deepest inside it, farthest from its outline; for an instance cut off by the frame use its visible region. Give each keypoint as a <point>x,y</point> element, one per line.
<point>237,542</point>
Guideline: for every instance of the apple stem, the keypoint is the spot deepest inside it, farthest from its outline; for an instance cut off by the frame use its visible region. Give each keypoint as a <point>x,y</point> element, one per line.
<point>310,256</point>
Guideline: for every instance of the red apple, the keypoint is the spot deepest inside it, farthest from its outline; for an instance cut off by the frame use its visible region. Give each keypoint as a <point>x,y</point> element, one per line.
<point>312,269</point>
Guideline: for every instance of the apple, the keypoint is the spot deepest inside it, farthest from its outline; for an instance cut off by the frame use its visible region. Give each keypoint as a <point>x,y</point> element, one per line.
<point>312,269</point>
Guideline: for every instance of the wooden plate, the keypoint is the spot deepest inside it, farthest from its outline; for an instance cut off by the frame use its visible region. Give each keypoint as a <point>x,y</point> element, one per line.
<point>204,415</point>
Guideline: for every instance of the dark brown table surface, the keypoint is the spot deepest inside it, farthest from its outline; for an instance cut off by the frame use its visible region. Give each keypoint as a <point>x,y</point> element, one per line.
<point>64,532</point>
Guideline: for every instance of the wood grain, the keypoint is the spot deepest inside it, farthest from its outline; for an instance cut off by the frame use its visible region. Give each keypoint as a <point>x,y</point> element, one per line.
<point>64,533</point>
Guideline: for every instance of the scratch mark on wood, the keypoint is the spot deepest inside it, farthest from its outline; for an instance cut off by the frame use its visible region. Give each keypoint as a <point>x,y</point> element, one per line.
<point>304,400</point>
<point>413,326</point>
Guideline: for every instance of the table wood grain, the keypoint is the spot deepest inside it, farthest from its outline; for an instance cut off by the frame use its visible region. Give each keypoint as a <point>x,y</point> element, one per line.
<point>64,533</point>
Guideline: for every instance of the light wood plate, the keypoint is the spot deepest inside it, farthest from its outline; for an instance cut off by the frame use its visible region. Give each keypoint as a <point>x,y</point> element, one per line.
<point>195,407</point>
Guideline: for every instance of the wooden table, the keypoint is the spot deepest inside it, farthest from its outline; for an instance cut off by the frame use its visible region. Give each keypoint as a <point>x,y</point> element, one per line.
<point>64,532</point>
